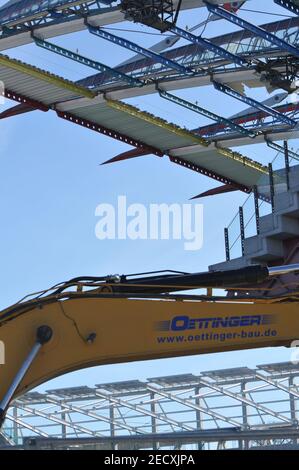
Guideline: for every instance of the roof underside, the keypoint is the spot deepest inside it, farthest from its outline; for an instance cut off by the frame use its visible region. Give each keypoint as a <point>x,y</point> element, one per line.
<point>34,88</point>
<point>142,127</point>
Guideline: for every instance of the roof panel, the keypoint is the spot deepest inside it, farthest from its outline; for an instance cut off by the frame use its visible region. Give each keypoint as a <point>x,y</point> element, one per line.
<point>232,373</point>
<point>129,121</point>
<point>225,166</point>
<point>38,84</point>
<point>81,391</point>
<point>134,127</point>
<point>172,380</point>
<point>282,367</point>
<point>123,386</point>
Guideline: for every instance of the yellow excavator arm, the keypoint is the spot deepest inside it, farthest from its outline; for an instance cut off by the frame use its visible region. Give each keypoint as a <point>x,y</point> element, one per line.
<point>108,323</point>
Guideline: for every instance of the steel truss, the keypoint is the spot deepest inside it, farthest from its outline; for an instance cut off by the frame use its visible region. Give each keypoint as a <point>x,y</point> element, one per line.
<point>233,130</point>
<point>229,408</point>
<point>254,122</point>
<point>250,46</point>
<point>209,114</point>
<point>86,61</point>
<point>155,13</point>
<point>206,44</point>
<point>280,43</point>
<point>16,19</point>
<point>61,12</point>
<point>289,5</point>
<point>251,102</point>
<point>281,149</point>
<point>158,58</point>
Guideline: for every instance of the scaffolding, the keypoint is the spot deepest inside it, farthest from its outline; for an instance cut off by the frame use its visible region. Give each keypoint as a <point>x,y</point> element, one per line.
<point>221,409</point>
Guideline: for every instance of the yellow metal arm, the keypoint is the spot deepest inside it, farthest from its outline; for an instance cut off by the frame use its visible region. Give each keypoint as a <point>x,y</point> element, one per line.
<point>90,329</point>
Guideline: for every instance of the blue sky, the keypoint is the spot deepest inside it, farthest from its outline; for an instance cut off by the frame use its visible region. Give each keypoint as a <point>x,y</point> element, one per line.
<point>51,183</point>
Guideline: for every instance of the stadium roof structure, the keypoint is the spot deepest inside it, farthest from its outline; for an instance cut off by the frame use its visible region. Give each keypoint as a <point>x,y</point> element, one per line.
<point>252,56</point>
<point>228,408</point>
<point>37,89</point>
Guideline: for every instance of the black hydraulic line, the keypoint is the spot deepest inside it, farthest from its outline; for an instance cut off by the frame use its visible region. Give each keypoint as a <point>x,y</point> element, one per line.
<point>250,275</point>
<point>165,283</point>
<point>149,286</point>
<point>220,279</point>
<point>81,279</point>
<point>157,286</point>
<point>174,282</point>
<point>172,271</point>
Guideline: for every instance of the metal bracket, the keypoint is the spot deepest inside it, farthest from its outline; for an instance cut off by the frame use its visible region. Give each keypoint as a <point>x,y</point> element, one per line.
<point>226,241</point>
<point>256,209</point>
<point>272,189</point>
<point>242,229</point>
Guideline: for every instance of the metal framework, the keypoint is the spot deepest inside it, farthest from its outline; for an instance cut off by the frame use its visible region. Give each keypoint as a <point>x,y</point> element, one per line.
<point>139,50</point>
<point>251,102</point>
<point>283,149</point>
<point>254,121</point>
<point>281,44</point>
<point>155,13</point>
<point>86,61</point>
<point>205,112</point>
<point>242,42</point>
<point>280,183</point>
<point>230,408</point>
<point>150,134</point>
<point>167,71</point>
<point>17,18</point>
<point>206,44</point>
<point>289,5</point>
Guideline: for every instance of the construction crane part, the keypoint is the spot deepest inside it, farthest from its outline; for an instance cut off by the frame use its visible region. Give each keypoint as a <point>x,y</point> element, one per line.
<point>91,321</point>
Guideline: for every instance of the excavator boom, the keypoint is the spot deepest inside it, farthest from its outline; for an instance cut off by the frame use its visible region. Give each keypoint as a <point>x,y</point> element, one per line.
<point>93,331</point>
<point>70,330</point>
